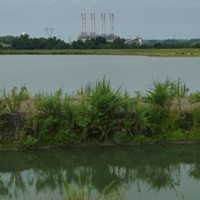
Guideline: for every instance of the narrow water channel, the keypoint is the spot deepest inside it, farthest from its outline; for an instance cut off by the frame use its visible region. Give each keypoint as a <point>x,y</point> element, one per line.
<point>136,173</point>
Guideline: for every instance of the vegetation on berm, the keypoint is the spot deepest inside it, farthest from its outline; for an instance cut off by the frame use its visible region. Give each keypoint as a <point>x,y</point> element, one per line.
<point>98,114</point>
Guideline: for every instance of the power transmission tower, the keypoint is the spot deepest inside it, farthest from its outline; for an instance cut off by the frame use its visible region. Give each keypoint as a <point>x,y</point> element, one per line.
<point>49,31</point>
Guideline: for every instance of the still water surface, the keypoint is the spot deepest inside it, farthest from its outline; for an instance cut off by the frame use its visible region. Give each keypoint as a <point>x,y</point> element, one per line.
<point>71,72</point>
<point>139,173</point>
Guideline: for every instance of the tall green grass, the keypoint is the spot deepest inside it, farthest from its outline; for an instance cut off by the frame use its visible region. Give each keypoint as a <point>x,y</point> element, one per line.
<point>97,113</point>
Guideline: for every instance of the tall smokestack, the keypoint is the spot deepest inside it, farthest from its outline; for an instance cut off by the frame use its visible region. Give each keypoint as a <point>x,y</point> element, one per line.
<point>85,23</point>
<point>104,23</point>
<point>110,15</point>
<point>102,27</point>
<point>94,25</point>
<point>113,28</point>
<point>82,24</point>
<point>91,24</point>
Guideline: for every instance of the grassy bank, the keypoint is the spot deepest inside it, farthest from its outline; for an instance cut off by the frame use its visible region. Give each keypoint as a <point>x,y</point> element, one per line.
<point>145,52</point>
<point>99,114</point>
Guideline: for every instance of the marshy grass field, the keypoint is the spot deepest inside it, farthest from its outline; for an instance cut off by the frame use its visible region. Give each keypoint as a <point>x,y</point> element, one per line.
<point>138,52</point>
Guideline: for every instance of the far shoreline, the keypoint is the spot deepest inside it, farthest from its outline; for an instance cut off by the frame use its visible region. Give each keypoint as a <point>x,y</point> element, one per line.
<point>190,52</point>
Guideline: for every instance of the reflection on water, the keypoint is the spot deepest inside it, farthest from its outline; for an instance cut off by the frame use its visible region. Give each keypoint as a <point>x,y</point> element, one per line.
<point>167,172</point>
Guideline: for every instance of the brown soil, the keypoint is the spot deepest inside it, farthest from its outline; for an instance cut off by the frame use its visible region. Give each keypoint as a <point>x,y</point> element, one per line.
<point>27,106</point>
<point>184,104</point>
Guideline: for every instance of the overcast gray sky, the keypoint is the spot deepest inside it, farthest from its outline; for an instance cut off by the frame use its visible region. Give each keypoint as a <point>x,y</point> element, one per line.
<point>150,19</point>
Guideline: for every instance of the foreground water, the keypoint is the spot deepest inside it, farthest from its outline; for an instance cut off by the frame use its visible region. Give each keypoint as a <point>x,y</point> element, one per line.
<point>71,72</point>
<point>138,173</point>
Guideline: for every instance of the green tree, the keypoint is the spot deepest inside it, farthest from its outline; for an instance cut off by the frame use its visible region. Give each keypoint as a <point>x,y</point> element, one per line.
<point>77,44</point>
<point>100,42</point>
<point>90,44</point>
<point>21,42</point>
<point>118,43</point>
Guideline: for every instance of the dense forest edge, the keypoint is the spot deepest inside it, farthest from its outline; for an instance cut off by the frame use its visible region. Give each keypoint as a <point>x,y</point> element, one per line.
<point>23,44</point>
<point>98,114</point>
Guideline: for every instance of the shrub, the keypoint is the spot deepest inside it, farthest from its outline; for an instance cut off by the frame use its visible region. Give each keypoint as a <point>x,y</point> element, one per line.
<point>162,94</point>
<point>160,98</point>
<point>102,106</point>
<point>195,97</point>
<point>141,119</point>
<point>2,105</point>
<point>10,102</point>
<point>177,135</point>
<point>194,134</point>
<point>14,99</point>
<point>196,117</point>
<point>28,143</point>
<point>53,113</point>
<point>140,139</point>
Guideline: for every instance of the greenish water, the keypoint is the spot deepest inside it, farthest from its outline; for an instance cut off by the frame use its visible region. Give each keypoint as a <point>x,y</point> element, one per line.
<point>140,173</point>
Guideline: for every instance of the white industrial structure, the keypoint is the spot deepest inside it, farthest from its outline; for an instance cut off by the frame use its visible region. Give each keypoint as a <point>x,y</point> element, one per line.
<point>109,36</point>
<point>85,35</point>
<point>137,41</point>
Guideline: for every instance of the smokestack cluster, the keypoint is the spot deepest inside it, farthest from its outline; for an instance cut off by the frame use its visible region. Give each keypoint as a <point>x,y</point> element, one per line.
<point>93,24</point>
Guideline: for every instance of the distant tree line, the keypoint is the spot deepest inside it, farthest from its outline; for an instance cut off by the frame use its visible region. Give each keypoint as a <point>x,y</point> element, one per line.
<point>25,42</point>
<point>173,43</point>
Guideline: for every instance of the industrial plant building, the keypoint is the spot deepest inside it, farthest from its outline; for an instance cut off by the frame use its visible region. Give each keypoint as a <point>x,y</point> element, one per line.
<point>108,34</point>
